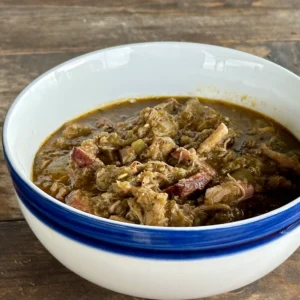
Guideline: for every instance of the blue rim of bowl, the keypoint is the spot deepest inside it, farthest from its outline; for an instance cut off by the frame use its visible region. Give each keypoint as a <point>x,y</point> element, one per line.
<point>145,241</point>
<point>159,244</point>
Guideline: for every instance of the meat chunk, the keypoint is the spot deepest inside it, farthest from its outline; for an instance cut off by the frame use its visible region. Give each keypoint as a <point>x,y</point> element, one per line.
<point>171,106</point>
<point>81,177</point>
<point>191,114</point>
<point>162,123</point>
<point>110,174</point>
<point>150,206</point>
<point>199,164</point>
<point>85,155</point>
<point>82,158</point>
<point>59,191</point>
<point>110,141</point>
<point>283,160</point>
<point>192,139</point>
<point>105,124</point>
<point>163,172</point>
<point>106,204</point>
<point>122,188</point>
<point>84,164</point>
<point>105,177</point>
<point>160,148</point>
<point>128,155</point>
<point>228,192</point>
<point>192,160</point>
<point>210,119</point>
<point>216,137</point>
<point>79,200</point>
<point>180,215</point>
<point>147,207</point>
<point>75,130</point>
<point>182,154</point>
<point>62,193</point>
<point>62,143</point>
<point>187,186</point>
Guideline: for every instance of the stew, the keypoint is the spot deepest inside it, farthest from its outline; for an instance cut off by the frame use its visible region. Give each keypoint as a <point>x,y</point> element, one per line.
<point>171,162</point>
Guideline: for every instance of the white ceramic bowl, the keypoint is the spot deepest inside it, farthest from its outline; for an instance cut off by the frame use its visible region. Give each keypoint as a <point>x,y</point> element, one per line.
<point>153,262</point>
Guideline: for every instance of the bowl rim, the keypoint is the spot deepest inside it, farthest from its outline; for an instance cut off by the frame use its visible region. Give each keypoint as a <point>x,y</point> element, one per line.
<point>81,58</point>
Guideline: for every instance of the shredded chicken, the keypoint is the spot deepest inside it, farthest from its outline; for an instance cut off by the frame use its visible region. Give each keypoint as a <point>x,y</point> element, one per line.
<point>283,160</point>
<point>228,192</point>
<point>182,155</point>
<point>216,137</point>
<point>75,130</point>
<point>80,200</point>
<point>161,148</point>
<point>180,215</point>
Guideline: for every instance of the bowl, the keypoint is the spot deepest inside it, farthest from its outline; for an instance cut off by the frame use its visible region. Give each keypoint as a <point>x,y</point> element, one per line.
<point>153,262</point>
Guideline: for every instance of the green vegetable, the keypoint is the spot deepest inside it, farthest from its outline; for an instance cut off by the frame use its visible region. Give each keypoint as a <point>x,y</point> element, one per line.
<point>139,146</point>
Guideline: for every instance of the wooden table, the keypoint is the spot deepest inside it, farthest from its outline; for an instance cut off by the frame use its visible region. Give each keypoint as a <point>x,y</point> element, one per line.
<point>36,35</point>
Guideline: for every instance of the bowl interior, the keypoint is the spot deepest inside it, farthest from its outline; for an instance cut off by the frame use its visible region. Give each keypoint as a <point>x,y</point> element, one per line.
<point>142,70</point>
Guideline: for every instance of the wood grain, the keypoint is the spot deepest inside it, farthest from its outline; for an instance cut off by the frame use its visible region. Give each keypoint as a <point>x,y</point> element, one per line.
<point>15,73</point>
<point>119,5</point>
<point>31,273</point>
<point>47,29</point>
<point>36,35</point>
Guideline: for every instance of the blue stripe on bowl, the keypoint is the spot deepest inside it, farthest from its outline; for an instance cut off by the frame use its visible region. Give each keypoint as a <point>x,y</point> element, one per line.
<point>154,254</point>
<point>154,242</point>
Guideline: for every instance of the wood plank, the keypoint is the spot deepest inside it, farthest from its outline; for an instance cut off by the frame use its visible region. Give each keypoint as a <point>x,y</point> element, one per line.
<point>167,4</point>
<point>84,28</point>
<point>32,273</point>
<point>29,272</point>
<point>15,73</point>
